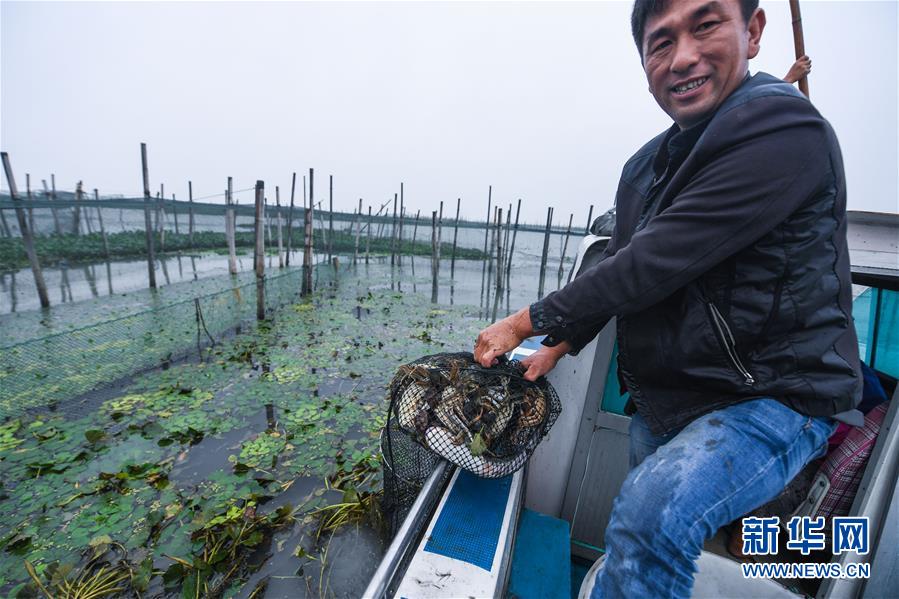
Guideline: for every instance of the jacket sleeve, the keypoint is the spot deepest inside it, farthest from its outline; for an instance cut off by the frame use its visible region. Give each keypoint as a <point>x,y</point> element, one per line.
<point>775,159</point>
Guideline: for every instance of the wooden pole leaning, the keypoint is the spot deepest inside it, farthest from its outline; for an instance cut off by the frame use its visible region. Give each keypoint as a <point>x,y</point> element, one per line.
<point>565,248</point>
<point>230,228</point>
<point>512,246</point>
<point>148,224</point>
<point>589,219</point>
<point>798,40</point>
<point>293,186</point>
<point>486,237</point>
<point>26,234</point>
<point>280,240</point>
<point>544,255</point>
<point>260,252</point>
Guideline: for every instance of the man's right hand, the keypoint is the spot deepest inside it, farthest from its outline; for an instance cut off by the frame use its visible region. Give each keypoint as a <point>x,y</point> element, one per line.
<point>543,360</point>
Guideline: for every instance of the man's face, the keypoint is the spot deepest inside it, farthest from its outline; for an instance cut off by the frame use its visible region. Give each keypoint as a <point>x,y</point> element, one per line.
<point>696,53</point>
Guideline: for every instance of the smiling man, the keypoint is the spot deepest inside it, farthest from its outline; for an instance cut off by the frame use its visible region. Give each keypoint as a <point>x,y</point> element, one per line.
<point>728,271</point>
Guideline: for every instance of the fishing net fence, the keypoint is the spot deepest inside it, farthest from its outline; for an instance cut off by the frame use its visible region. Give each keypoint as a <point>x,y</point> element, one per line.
<point>68,370</point>
<point>446,406</point>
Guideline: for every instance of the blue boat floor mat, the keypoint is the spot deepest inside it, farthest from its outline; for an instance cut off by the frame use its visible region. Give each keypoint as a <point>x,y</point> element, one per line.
<point>468,527</point>
<point>541,564</point>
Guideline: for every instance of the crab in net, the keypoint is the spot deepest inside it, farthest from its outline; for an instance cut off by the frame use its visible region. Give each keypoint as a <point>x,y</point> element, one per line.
<point>464,411</point>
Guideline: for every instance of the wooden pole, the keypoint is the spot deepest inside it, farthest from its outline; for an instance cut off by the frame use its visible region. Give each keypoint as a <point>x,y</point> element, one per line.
<point>330,218</point>
<point>148,225</point>
<point>486,236</point>
<point>543,257</point>
<point>490,257</point>
<point>280,240</point>
<point>512,247</point>
<point>499,261</point>
<point>565,248</point>
<point>260,251</point>
<point>190,213</point>
<point>102,228</point>
<point>307,250</point>
<point>439,234</point>
<point>30,208</point>
<point>368,236</point>
<point>415,228</point>
<point>502,273</point>
<point>293,186</point>
<point>53,196</point>
<point>56,228</point>
<point>160,217</point>
<point>455,238</point>
<point>76,211</point>
<point>231,229</point>
<point>434,257</point>
<point>393,234</point>
<point>26,234</point>
<point>798,41</point>
<point>175,214</point>
<point>358,231</point>
<point>402,214</point>
<point>589,219</point>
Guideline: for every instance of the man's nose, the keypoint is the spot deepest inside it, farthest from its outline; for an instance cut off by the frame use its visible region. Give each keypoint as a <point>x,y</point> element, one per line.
<point>686,55</point>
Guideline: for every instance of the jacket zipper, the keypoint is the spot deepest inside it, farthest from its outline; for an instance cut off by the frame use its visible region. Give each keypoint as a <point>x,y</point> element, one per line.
<point>730,344</point>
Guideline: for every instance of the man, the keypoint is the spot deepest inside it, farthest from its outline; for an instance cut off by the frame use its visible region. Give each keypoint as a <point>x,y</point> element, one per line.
<point>728,271</point>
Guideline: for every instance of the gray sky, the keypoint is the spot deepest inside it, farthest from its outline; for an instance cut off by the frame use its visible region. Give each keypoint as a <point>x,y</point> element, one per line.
<point>545,101</point>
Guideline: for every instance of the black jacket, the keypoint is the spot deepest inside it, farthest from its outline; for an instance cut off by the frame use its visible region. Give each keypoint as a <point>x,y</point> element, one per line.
<point>728,267</point>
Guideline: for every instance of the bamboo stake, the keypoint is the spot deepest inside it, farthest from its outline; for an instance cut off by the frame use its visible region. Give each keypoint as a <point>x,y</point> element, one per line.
<point>589,219</point>
<point>512,247</point>
<point>565,249</point>
<point>402,214</point>
<point>439,234</point>
<point>486,236</point>
<point>26,234</point>
<point>260,252</point>
<point>190,213</point>
<point>56,228</point>
<point>30,199</point>
<point>330,218</point>
<point>434,257</point>
<point>293,186</point>
<point>415,228</point>
<point>358,231</point>
<point>102,228</point>
<point>280,241</point>
<point>393,234</point>
<point>160,217</point>
<point>543,257</point>
<point>76,211</point>
<point>307,250</point>
<point>368,237</point>
<point>230,229</point>
<point>148,226</point>
<point>175,214</point>
<point>499,262</point>
<point>489,258</point>
<point>798,40</point>
<point>53,197</point>
<point>455,238</point>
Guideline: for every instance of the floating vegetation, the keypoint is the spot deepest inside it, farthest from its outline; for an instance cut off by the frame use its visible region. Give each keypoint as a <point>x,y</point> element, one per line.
<point>186,477</point>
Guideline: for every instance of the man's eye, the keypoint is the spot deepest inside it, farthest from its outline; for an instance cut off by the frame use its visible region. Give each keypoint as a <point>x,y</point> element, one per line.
<point>660,46</point>
<point>707,25</point>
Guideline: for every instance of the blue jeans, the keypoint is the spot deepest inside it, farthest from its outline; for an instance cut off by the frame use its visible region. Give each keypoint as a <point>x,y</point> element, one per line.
<point>687,484</point>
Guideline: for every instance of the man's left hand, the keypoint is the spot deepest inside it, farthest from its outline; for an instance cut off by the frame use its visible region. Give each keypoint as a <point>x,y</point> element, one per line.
<point>502,336</point>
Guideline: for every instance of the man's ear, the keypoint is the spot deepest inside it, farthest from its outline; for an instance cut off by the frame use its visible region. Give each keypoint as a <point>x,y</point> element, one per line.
<point>756,26</point>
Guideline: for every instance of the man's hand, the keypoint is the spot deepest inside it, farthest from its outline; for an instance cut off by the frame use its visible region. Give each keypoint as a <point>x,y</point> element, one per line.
<point>502,336</point>
<point>800,68</point>
<point>543,360</point>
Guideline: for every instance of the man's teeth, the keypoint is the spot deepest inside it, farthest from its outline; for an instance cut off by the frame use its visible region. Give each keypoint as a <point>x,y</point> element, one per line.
<point>695,83</point>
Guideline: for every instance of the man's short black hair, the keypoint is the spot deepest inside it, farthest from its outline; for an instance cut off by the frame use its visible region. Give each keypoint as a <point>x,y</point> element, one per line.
<point>643,9</point>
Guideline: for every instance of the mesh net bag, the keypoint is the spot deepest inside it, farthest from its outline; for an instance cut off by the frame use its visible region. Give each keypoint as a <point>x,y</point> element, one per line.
<point>485,420</point>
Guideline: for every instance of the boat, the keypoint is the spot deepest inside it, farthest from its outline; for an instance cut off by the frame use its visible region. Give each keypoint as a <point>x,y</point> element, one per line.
<point>536,533</point>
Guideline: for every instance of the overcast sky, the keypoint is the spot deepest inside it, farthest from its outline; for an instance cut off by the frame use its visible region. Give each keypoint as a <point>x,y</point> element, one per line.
<point>545,101</point>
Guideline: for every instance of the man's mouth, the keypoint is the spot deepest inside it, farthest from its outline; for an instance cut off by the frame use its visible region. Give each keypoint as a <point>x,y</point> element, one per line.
<point>689,85</point>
